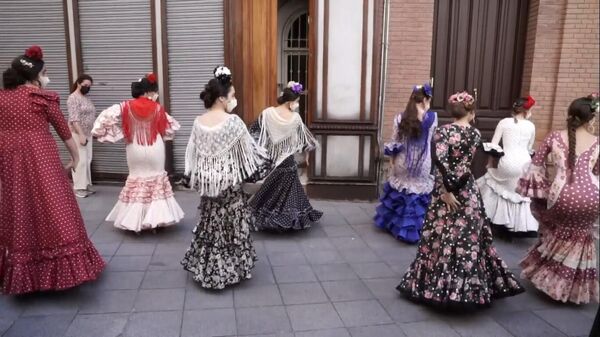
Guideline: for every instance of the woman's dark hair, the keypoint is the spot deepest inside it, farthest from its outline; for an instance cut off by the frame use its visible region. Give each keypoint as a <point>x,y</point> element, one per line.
<point>24,68</point>
<point>80,80</point>
<point>460,109</point>
<point>288,95</point>
<point>147,84</point>
<point>410,125</point>
<point>518,107</point>
<point>580,112</point>
<point>218,86</point>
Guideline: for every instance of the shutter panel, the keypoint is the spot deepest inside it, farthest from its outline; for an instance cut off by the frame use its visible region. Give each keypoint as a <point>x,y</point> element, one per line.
<point>195,42</point>
<point>116,43</point>
<point>41,22</point>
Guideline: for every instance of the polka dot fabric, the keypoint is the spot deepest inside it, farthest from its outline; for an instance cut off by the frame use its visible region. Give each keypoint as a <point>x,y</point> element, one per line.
<point>43,241</point>
<point>563,262</point>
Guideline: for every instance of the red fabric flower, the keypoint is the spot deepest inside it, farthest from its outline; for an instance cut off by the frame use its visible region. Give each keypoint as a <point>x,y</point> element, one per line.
<point>530,102</point>
<point>151,78</point>
<point>35,53</point>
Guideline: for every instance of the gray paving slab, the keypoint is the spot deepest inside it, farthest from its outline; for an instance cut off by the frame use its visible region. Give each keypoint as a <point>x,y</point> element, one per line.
<point>336,279</point>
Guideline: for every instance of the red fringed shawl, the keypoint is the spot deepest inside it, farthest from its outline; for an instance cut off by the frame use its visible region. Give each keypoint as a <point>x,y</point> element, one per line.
<point>143,119</point>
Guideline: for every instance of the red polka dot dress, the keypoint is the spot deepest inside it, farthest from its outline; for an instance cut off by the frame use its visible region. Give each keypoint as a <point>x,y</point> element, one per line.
<point>563,263</point>
<point>43,241</point>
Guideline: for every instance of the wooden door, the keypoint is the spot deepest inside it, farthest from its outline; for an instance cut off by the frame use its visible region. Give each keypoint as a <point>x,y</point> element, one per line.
<point>251,53</point>
<point>479,44</point>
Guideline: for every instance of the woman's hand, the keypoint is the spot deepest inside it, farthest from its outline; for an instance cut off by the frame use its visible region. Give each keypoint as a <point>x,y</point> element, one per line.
<point>72,164</point>
<point>451,203</point>
<point>83,140</point>
<point>307,157</point>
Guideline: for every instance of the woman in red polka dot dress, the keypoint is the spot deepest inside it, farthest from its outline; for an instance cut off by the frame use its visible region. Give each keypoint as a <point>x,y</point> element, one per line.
<point>43,241</point>
<point>563,262</point>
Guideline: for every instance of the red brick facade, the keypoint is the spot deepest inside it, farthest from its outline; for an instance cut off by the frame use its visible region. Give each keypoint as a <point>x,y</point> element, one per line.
<point>409,54</point>
<point>561,58</point>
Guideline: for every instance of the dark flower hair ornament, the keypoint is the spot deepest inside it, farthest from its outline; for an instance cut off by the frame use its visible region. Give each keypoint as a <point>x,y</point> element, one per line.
<point>35,53</point>
<point>427,89</point>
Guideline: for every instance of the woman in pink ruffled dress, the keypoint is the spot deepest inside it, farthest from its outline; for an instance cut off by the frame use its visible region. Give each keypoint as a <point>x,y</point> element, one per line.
<point>563,262</point>
<point>147,200</point>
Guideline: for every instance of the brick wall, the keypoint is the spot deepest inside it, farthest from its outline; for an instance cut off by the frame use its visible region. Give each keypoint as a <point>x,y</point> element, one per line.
<point>409,54</point>
<point>561,59</point>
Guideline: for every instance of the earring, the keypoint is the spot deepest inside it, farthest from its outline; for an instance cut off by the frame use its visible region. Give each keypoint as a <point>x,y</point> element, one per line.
<point>591,127</point>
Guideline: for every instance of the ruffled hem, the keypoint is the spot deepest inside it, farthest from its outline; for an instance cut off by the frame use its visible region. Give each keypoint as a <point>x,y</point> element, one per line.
<point>506,208</point>
<point>286,221</point>
<point>402,214</point>
<point>142,216</point>
<point>445,303</point>
<point>211,271</point>
<point>146,190</point>
<point>560,282</point>
<point>534,184</point>
<point>60,268</point>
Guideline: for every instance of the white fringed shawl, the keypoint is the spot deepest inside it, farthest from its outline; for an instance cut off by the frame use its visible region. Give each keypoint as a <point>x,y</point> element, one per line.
<point>222,156</point>
<point>283,138</point>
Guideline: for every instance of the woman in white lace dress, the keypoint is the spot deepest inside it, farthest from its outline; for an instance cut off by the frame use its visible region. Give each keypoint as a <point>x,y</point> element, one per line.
<point>147,200</point>
<point>502,204</point>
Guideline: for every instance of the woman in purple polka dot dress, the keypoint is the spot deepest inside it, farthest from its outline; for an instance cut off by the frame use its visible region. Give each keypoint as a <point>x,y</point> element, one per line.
<point>563,262</point>
<point>43,241</point>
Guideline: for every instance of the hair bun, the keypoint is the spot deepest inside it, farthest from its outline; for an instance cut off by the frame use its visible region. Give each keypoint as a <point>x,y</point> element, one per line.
<point>223,74</point>
<point>35,53</point>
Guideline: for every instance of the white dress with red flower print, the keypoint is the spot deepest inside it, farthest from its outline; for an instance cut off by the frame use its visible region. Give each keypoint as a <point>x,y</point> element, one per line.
<point>563,263</point>
<point>147,201</point>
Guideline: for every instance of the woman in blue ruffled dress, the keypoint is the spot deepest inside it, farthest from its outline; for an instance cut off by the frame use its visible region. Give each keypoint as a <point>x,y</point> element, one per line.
<point>406,194</point>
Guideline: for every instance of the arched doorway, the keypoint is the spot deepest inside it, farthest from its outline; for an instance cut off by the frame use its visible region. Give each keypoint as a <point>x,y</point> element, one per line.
<point>294,51</point>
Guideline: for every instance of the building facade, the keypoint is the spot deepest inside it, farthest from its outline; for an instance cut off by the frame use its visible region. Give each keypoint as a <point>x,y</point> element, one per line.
<point>358,60</point>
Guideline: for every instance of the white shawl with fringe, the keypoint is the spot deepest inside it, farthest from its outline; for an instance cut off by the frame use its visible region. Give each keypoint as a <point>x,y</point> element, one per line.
<point>222,156</point>
<point>283,138</point>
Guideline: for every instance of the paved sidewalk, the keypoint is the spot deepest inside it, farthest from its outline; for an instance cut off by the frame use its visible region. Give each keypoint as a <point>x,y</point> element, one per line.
<point>337,279</point>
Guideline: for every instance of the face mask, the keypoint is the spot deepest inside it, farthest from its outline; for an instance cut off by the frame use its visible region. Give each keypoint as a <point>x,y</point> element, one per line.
<point>154,97</point>
<point>44,81</point>
<point>85,90</point>
<point>231,104</point>
<point>294,106</point>
<point>528,115</point>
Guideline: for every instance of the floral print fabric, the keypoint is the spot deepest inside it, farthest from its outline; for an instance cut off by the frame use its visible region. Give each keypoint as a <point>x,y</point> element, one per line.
<point>457,263</point>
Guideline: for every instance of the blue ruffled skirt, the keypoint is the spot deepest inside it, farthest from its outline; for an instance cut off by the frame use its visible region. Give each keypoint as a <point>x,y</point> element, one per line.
<point>401,213</point>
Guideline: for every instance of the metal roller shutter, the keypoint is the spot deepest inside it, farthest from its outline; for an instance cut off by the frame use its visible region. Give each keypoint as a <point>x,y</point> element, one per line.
<point>41,22</point>
<point>195,43</point>
<point>116,43</point>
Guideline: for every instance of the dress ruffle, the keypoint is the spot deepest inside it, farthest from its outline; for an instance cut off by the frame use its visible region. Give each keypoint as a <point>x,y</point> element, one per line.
<point>564,267</point>
<point>146,203</point>
<point>402,213</point>
<point>221,253</point>
<point>281,204</point>
<point>505,207</point>
<point>57,268</point>
<point>534,184</point>
<point>107,125</point>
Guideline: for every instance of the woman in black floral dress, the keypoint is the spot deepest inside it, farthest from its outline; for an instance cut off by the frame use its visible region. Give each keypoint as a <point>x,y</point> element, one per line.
<point>220,156</point>
<point>456,263</point>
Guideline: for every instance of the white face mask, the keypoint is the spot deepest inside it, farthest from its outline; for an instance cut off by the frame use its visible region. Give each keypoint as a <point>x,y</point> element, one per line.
<point>44,81</point>
<point>154,97</point>
<point>231,104</point>
<point>294,106</point>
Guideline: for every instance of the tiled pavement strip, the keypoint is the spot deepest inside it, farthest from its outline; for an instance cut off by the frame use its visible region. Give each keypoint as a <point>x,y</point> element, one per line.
<point>335,280</point>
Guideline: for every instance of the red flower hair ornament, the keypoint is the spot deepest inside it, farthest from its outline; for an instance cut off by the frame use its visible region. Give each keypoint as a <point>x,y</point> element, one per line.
<point>35,53</point>
<point>529,103</point>
<point>151,78</point>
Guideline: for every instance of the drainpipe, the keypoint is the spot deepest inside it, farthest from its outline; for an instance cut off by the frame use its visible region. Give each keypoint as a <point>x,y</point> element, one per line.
<point>382,81</point>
